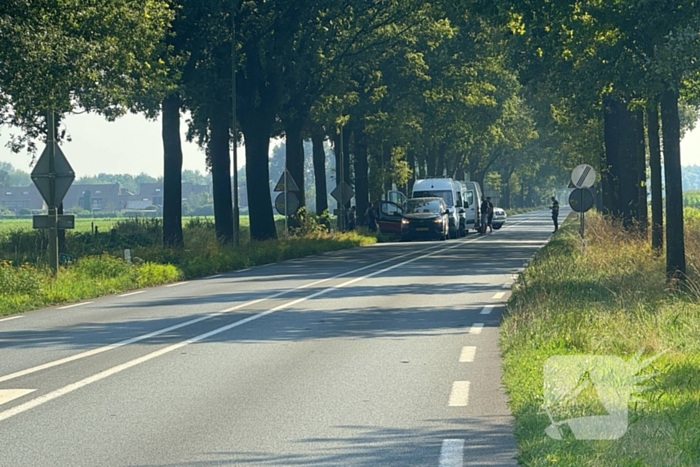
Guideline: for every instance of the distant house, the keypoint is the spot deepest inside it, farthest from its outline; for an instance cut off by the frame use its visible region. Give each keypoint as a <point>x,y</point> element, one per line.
<point>21,197</point>
<point>138,205</point>
<point>102,197</point>
<point>96,197</point>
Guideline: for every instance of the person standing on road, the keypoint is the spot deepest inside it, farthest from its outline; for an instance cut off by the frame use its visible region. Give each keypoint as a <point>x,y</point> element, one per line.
<point>490,216</point>
<point>555,213</point>
<point>371,216</point>
<point>484,211</point>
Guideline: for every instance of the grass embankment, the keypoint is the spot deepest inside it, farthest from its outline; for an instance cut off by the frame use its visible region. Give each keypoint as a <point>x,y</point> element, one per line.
<point>91,275</point>
<point>611,301</point>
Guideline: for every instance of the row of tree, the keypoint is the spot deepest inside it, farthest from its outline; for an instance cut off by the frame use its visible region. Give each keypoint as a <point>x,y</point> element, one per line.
<point>517,92</point>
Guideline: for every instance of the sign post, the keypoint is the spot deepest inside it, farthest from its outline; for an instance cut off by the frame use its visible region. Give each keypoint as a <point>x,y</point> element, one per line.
<point>581,199</point>
<point>52,176</point>
<point>290,205</point>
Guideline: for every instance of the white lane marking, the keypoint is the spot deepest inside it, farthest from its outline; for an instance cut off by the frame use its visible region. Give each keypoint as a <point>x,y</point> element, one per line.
<point>487,310</point>
<point>175,284</point>
<point>73,305</point>
<point>214,276</point>
<point>476,328</point>
<point>452,453</point>
<point>131,293</point>
<point>11,318</point>
<point>499,295</point>
<point>7,395</point>
<point>119,368</point>
<point>243,270</point>
<point>459,396</point>
<point>468,354</point>
<point>133,340</point>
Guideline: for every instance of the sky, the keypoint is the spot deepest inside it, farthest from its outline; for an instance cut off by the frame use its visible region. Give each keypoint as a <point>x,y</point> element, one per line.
<point>132,145</point>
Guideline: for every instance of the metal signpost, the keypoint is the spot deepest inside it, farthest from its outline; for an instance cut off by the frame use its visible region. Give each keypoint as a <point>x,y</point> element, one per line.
<point>581,199</point>
<point>287,201</point>
<point>52,176</point>
<point>342,193</point>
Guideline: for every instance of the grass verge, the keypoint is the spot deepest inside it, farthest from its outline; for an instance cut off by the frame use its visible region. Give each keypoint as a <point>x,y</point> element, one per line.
<point>611,300</point>
<point>29,287</point>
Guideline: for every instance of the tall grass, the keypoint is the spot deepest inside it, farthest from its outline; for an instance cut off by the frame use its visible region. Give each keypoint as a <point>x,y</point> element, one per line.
<point>98,267</point>
<point>611,299</point>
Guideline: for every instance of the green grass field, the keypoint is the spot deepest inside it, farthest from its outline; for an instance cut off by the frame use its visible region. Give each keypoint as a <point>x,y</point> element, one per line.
<point>102,224</point>
<point>610,301</point>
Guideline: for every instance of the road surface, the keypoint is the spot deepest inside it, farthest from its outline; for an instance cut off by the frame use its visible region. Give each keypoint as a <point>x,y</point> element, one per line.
<point>383,355</point>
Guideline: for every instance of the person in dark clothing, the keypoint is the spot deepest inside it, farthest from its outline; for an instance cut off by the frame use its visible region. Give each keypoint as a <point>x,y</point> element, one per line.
<point>490,215</point>
<point>484,211</point>
<point>371,216</point>
<point>555,213</point>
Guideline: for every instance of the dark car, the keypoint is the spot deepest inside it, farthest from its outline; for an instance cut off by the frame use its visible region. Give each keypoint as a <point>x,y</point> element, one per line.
<point>425,218</point>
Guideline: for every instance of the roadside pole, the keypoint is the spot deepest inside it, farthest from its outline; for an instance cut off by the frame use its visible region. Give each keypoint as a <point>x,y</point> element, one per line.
<point>341,172</point>
<point>286,199</point>
<point>53,212</point>
<point>236,210</point>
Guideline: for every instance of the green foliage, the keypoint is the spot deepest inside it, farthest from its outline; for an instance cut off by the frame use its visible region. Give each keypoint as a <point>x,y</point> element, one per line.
<point>108,54</point>
<point>11,177</point>
<point>304,223</point>
<point>612,300</point>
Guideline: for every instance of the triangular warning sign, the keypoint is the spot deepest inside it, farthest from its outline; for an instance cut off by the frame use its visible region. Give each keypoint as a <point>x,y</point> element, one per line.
<point>287,181</point>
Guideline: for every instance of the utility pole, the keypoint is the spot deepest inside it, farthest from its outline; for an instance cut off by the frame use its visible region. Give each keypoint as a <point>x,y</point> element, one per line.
<point>53,211</point>
<point>236,210</point>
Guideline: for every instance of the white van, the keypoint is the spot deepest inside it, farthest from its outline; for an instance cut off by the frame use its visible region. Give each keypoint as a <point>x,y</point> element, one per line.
<point>473,201</point>
<point>448,190</point>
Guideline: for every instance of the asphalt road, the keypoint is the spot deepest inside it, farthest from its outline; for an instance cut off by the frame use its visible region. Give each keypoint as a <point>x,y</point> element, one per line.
<point>377,356</point>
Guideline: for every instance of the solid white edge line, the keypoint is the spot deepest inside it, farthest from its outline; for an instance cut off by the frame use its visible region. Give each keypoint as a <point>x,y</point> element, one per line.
<point>176,284</point>
<point>131,293</point>
<point>487,310</point>
<point>468,354</point>
<point>10,318</point>
<point>459,395</point>
<point>476,328</point>
<point>116,369</point>
<point>133,340</point>
<point>73,305</point>
<point>452,453</point>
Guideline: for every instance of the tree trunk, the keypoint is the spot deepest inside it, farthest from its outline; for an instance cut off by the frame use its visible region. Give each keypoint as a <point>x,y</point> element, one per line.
<point>411,157</point>
<point>657,215</point>
<point>361,175</point>
<point>675,238</point>
<point>386,163</point>
<point>641,156</point>
<point>221,174</point>
<point>319,157</point>
<point>610,172</point>
<point>257,145</point>
<point>295,157</point>
<point>172,173</point>
<point>628,188</point>
<point>431,164</point>
<point>442,152</point>
<point>505,201</point>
